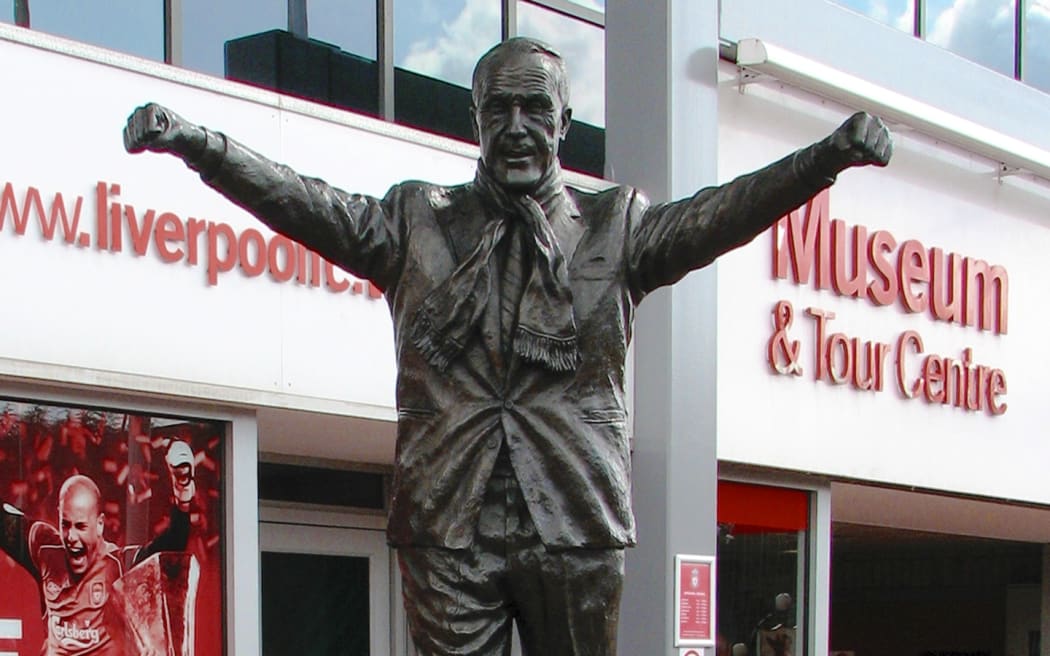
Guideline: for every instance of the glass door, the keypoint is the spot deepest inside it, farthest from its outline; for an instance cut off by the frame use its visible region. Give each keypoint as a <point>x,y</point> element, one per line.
<point>325,590</point>
<point>763,552</point>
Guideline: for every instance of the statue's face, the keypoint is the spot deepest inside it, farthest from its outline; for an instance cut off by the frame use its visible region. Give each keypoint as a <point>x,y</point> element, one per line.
<point>520,120</point>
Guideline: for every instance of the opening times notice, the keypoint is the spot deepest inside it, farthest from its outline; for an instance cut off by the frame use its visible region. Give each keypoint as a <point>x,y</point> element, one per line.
<point>694,601</point>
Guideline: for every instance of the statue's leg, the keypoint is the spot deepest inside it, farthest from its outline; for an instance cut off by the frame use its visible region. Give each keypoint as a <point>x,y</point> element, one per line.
<point>456,600</point>
<point>452,602</point>
<point>569,601</point>
<point>566,603</point>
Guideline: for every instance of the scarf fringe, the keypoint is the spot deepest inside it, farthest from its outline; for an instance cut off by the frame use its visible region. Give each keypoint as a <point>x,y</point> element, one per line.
<point>439,350</point>
<point>558,354</point>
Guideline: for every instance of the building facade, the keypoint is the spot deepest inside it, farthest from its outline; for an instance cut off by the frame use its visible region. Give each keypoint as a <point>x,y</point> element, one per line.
<point>844,413</point>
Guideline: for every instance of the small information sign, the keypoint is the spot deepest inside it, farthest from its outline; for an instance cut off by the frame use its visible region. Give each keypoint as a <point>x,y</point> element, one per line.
<point>694,601</point>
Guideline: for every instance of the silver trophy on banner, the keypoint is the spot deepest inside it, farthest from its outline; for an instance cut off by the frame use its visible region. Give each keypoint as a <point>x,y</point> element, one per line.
<point>158,597</point>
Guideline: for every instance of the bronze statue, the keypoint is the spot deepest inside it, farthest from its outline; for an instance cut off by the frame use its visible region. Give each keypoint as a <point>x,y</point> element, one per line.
<point>512,298</point>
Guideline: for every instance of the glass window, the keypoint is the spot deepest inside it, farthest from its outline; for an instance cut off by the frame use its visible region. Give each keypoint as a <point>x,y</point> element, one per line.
<point>763,546</point>
<point>314,604</point>
<point>132,26</point>
<point>897,591</point>
<point>349,24</point>
<point>597,5</point>
<point>980,30</point>
<point>321,485</point>
<point>325,589</point>
<point>895,13</point>
<point>582,45</point>
<point>443,39</point>
<point>1035,63</point>
<point>208,25</point>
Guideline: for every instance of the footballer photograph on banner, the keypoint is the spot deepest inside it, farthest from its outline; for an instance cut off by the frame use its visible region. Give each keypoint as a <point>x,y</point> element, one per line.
<point>110,532</point>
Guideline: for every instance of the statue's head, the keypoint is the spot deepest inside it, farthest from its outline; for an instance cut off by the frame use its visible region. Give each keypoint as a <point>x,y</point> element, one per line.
<point>520,110</point>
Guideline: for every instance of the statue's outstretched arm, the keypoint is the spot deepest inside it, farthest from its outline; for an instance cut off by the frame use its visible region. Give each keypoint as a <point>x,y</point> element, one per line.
<point>671,239</point>
<point>354,231</point>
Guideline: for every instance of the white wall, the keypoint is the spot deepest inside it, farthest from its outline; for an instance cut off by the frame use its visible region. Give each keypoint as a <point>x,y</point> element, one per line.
<point>71,309</point>
<point>942,198</point>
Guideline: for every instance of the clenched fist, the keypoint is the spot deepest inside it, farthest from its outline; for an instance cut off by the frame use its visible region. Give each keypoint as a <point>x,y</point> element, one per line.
<point>861,140</point>
<point>158,129</point>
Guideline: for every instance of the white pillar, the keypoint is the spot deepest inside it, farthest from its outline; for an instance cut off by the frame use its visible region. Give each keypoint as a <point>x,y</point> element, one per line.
<point>661,136</point>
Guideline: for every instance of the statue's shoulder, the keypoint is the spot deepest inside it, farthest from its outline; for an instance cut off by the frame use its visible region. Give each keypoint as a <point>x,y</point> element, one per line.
<point>439,197</point>
<point>612,199</point>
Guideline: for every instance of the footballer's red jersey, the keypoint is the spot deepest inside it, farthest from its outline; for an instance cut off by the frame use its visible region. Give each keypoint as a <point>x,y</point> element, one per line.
<point>80,619</point>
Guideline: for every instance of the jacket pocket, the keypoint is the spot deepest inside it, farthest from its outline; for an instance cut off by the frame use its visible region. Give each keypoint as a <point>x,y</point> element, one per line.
<point>605,416</point>
<point>415,413</point>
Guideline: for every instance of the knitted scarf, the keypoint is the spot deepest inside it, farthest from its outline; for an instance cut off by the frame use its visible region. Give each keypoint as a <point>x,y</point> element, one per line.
<point>546,330</point>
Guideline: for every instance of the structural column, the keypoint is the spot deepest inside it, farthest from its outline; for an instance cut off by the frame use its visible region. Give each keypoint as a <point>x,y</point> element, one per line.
<point>1044,610</point>
<point>661,80</point>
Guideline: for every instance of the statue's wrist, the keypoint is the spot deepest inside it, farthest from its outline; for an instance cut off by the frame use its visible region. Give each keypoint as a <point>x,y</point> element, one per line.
<point>818,164</point>
<point>207,150</point>
<point>190,142</point>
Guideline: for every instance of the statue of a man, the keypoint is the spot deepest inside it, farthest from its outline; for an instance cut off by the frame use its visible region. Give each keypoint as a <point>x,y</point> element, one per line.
<point>512,299</point>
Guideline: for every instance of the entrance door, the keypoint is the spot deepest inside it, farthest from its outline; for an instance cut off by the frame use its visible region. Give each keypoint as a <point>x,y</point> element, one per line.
<point>325,590</point>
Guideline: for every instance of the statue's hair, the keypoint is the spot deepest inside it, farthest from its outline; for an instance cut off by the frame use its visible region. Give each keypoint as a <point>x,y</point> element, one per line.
<point>518,46</point>
<point>80,482</point>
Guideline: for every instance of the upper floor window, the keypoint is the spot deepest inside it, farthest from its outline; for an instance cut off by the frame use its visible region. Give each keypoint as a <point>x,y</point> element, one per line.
<point>207,26</point>
<point>130,26</point>
<point>895,13</point>
<point>349,24</point>
<point>582,45</point>
<point>1035,55</point>
<point>598,5</point>
<point>1008,36</point>
<point>349,53</point>
<point>444,40</point>
<point>979,30</point>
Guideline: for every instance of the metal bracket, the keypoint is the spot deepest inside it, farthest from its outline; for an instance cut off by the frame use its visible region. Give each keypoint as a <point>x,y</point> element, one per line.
<point>1005,171</point>
<point>746,76</point>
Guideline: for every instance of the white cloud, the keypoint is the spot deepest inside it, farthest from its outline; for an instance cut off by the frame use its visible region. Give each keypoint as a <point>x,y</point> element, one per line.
<point>889,12</point>
<point>981,30</point>
<point>450,54</point>
<point>583,48</point>
<point>1037,52</point>
<point>905,20</point>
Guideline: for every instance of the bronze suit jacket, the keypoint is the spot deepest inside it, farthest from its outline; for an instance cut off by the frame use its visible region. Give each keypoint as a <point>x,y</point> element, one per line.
<point>567,434</point>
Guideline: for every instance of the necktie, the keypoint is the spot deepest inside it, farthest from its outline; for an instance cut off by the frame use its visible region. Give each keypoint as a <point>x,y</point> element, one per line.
<point>511,286</point>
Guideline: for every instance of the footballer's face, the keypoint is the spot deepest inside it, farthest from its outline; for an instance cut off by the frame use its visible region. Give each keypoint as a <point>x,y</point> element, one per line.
<point>81,524</point>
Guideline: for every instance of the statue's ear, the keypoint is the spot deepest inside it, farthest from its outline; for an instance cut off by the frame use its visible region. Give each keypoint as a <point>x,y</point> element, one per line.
<point>474,123</point>
<point>566,121</point>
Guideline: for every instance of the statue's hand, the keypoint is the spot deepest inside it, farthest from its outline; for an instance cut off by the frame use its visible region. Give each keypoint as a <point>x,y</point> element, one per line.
<point>158,129</point>
<point>861,140</point>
